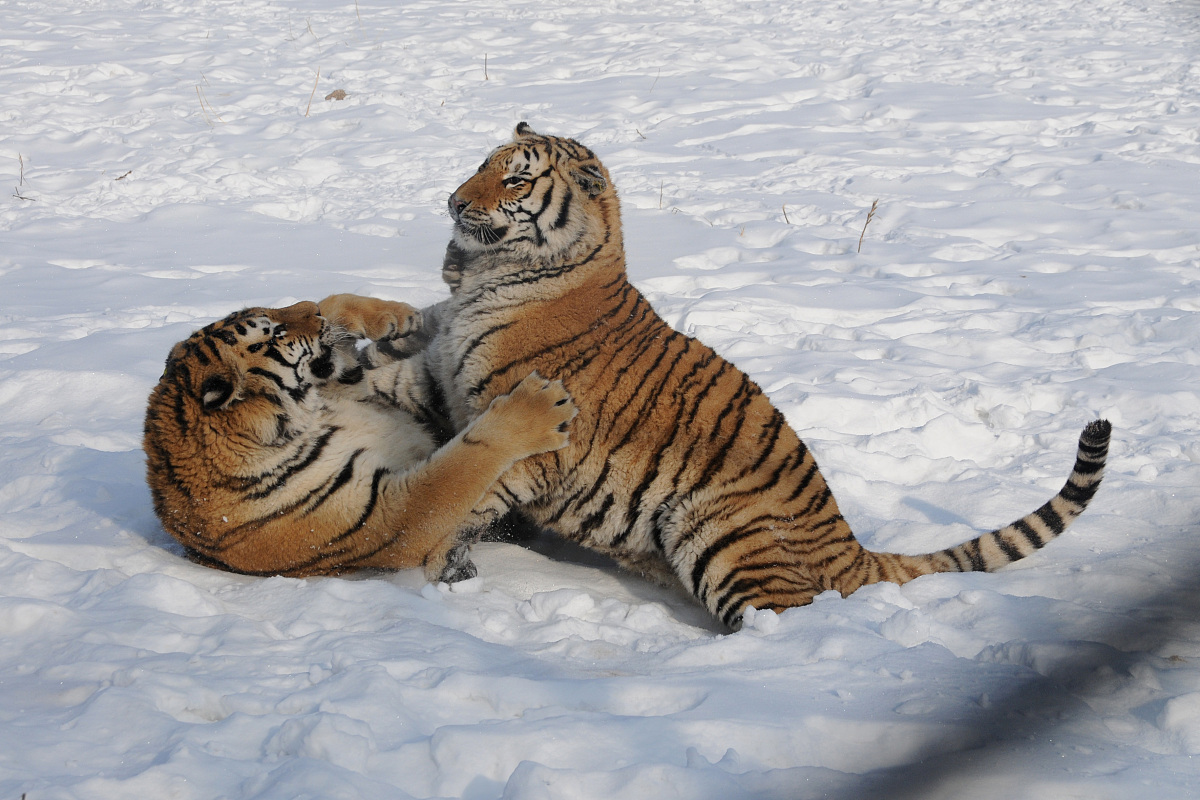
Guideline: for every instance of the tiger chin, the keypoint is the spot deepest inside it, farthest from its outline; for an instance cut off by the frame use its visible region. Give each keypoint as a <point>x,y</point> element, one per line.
<point>275,445</point>
<point>679,467</point>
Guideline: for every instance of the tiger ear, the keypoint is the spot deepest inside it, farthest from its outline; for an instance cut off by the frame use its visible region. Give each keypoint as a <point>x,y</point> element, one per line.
<point>521,131</point>
<point>177,354</point>
<point>215,392</point>
<point>590,179</point>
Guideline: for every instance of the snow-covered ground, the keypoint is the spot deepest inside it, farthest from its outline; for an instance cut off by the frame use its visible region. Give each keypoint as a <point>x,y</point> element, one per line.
<point>1034,262</point>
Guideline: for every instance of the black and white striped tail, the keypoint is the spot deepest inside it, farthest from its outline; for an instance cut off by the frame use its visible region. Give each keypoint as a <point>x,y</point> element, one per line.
<point>1017,540</point>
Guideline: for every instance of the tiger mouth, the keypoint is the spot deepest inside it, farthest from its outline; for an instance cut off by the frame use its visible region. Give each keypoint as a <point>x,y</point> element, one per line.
<point>332,335</point>
<point>481,232</point>
<point>322,365</point>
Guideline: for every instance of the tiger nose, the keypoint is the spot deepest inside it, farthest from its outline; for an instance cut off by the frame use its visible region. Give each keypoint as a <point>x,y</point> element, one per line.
<point>457,205</point>
<point>301,318</point>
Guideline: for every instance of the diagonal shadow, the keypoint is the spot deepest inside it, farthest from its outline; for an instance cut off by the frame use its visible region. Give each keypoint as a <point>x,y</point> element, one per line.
<point>1026,717</point>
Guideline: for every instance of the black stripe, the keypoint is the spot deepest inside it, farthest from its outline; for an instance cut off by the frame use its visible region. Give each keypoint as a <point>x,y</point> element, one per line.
<point>759,524</point>
<point>787,464</point>
<point>1032,536</point>
<point>858,562</point>
<point>212,347</point>
<point>597,485</point>
<point>819,501</point>
<point>773,429</point>
<point>274,354</point>
<point>597,517</point>
<point>181,394</point>
<point>743,591</point>
<point>1053,521</point>
<point>625,292</point>
<point>1010,550</point>
<point>271,376</point>
<point>714,549</point>
<point>563,212</point>
<point>281,479</point>
<point>962,564</point>
<point>369,508</point>
<point>338,482</point>
<point>1080,495</point>
<point>971,550</point>
<point>476,342</point>
<point>717,462</point>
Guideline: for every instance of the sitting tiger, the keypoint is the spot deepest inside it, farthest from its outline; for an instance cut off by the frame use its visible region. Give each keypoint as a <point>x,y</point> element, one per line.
<point>275,446</point>
<point>679,466</point>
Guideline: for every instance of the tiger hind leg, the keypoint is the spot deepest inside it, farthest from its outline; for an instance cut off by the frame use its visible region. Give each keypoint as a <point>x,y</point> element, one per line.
<point>761,560</point>
<point>731,560</point>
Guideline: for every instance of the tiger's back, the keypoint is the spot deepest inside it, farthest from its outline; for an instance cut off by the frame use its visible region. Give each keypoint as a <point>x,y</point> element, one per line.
<point>679,465</point>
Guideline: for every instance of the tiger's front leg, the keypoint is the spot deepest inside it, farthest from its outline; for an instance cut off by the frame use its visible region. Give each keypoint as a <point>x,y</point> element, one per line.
<point>370,317</point>
<point>442,501</point>
<point>519,488</point>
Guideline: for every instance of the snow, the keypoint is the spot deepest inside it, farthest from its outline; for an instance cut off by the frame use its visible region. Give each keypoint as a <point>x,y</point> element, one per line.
<point>1033,263</point>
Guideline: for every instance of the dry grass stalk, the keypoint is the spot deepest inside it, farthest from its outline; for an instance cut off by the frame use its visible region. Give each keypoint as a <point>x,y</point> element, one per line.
<point>314,92</point>
<point>785,216</point>
<point>17,190</point>
<point>870,216</point>
<point>206,107</point>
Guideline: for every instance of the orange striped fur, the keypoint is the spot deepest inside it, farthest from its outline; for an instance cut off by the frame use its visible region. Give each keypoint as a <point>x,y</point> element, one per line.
<point>274,446</point>
<point>679,466</point>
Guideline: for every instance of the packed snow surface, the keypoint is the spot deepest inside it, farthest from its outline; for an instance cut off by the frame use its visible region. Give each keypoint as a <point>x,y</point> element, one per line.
<point>1033,263</point>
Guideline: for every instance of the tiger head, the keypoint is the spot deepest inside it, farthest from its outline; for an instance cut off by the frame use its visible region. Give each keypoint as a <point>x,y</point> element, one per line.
<point>538,197</point>
<point>256,356</point>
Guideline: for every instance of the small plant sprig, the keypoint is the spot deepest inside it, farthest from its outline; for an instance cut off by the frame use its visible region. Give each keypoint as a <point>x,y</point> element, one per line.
<point>870,216</point>
<point>206,107</point>
<point>21,182</point>
<point>314,92</point>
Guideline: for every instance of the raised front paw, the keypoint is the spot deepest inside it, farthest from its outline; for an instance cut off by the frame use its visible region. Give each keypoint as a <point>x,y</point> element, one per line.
<point>371,318</point>
<point>535,414</point>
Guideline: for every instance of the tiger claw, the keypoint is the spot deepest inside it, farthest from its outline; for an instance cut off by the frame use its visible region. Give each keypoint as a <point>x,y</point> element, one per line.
<point>459,566</point>
<point>456,572</point>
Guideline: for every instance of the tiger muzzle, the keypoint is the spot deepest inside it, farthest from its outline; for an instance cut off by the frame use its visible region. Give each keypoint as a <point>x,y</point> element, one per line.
<point>457,207</point>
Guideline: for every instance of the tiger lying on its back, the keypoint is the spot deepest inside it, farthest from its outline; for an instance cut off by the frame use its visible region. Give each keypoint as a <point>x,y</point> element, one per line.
<point>274,447</point>
<point>678,463</point>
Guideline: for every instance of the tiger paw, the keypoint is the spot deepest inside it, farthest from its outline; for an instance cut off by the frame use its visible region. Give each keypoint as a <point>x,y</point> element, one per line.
<point>371,318</point>
<point>457,567</point>
<point>453,265</point>
<point>455,573</point>
<point>534,415</point>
